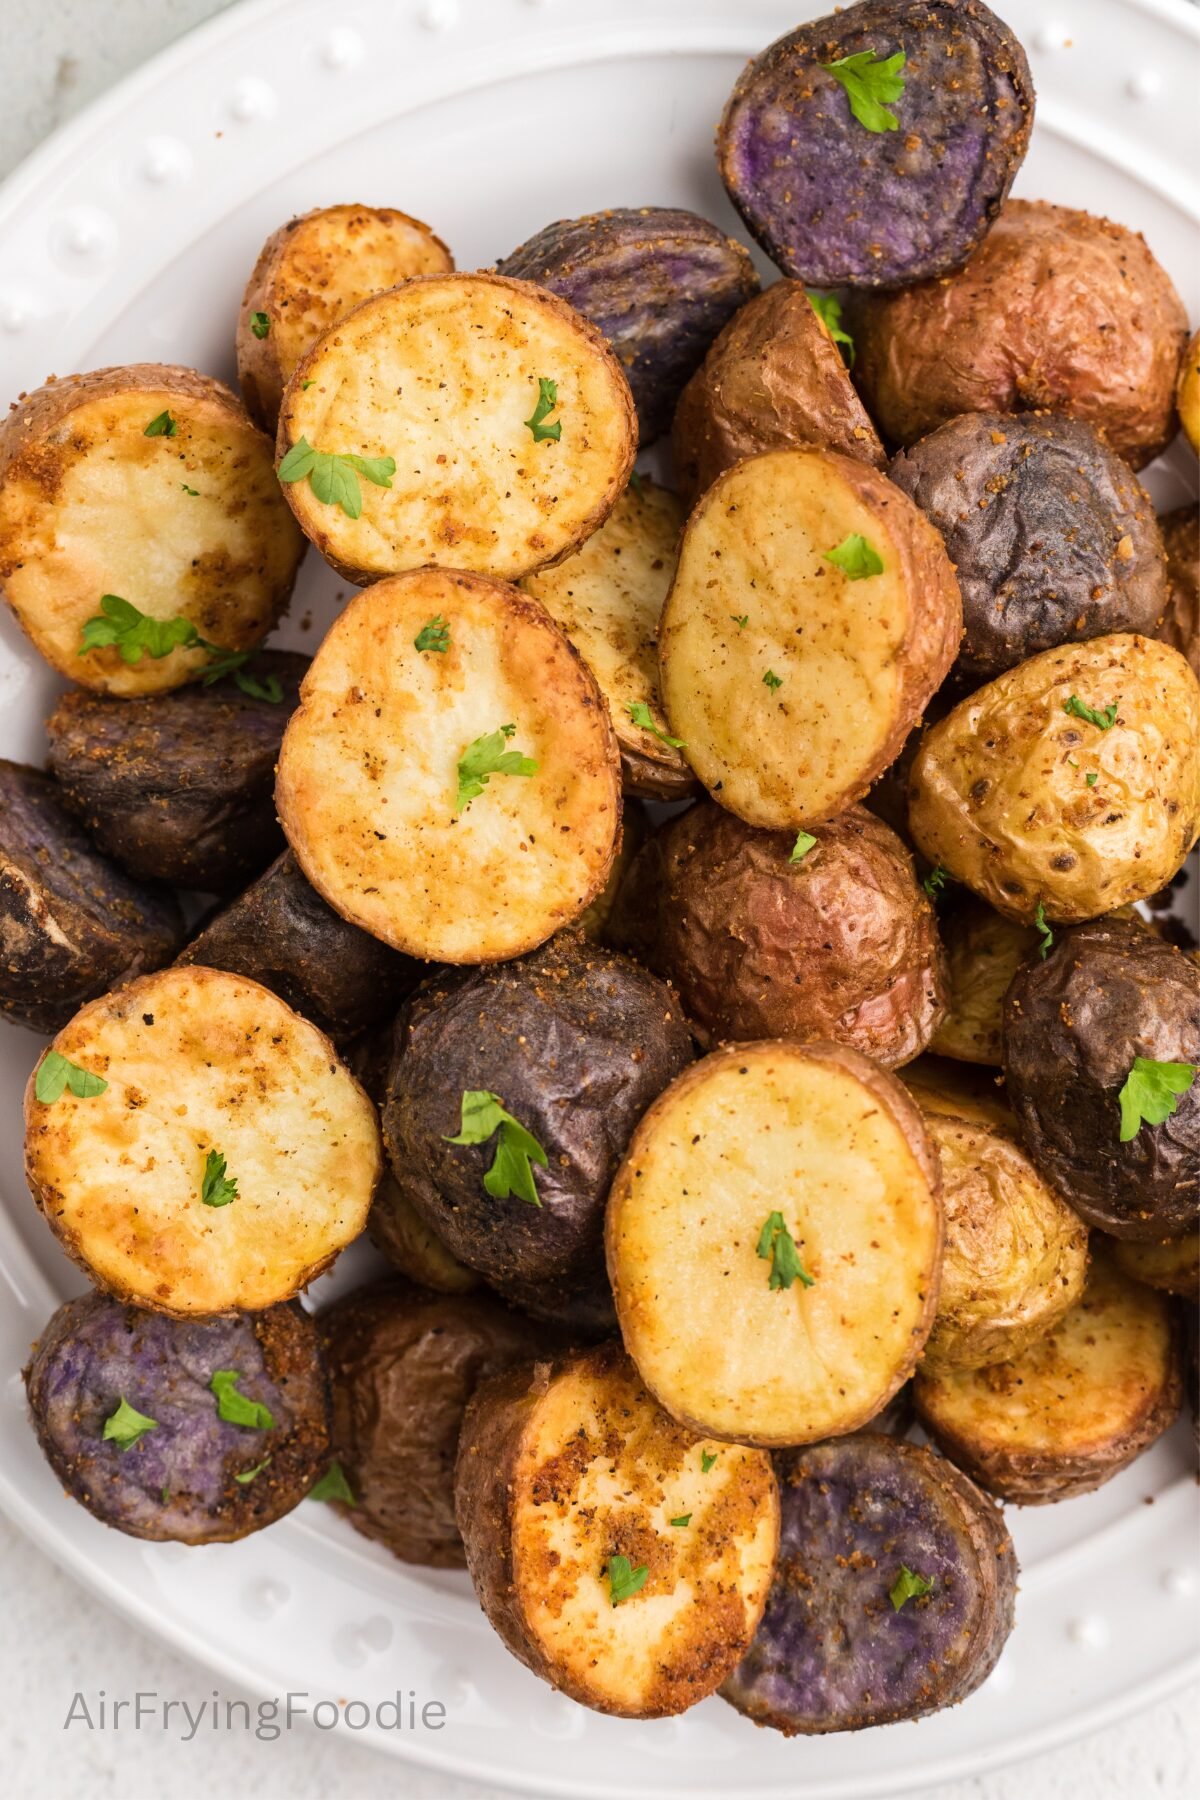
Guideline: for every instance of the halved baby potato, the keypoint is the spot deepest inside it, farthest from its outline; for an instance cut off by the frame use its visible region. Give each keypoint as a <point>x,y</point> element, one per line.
<point>608,598</point>
<point>774,1241</point>
<point>813,614</point>
<point>450,781</point>
<point>151,484</point>
<point>619,1556</point>
<point>507,415</point>
<point>1072,1410</point>
<point>1173,1265</point>
<point>308,275</point>
<point>210,1079</point>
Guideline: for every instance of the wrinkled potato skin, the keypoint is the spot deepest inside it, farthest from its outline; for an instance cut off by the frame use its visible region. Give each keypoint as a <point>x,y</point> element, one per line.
<point>1173,1265</point>
<point>1181,621</point>
<point>773,380</point>
<point>1187,392</point>
<point>1107,992</point>
<point>841,945</point>
<point>983,950</point>
<point>1057,310</point>
<point>398,1230</point>
<point>999,797</point>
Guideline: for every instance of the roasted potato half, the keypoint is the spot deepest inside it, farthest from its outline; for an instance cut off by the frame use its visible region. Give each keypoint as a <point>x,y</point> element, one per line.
<point>608,598</point>
<point>496,424</point>
<point>131,1411</point>
<point>774,380</point>
<point>1181,619</point>
<point>309,274</point>
<point>398,1229</point>
<point>150,484</point>
<point>813,613</point>
<point>1002,794</point>
<point>983,952</point>
<point>1173,1265</point>
<point>1077,1407</point>
<point>227,1159</point>
<point>620,1557</point>
<point>1187,392</point>
<point>777,1217</point>
<point>451,781</point>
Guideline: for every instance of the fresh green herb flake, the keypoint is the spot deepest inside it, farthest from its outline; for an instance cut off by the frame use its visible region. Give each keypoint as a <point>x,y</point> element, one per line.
<point>1105,719</point>
<point>908,1586</point>
<point>547,401</point>
<point>639,712</point>
<point>624,1581</point>
<point>57,1073</point>
<point>163,425</point>
<point>133,634</point>
<point>828,309</point>
<point>707,1459</point>
<point>510,1173</point>
<point>305,385</point>
<point>803,844</point>
<point>777,1246</point>
<point>683,1519</point>
<point>1151,1093</point>
<point>433,635</point>
<point>260,325</point>
<point>333,1486</point>
<point>215,1189</point>
<point>636,483</point>
<point>125,1426</point>
<point>194,492</point>
<point>1092,777</point>
<point>247,1475</point>
<point>1039,919</point>
<point>936,880</point>
<point>333,475</point>
<point>855,558</point>
<point>741,620</point>
<point>236,1408</point>
<point>870,81</point>
<point>772,680</point>
<point>485,757</point>
<point>230,662</point>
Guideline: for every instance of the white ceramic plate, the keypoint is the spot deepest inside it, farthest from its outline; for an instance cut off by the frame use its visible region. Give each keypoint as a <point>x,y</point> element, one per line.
<point>128,238</point>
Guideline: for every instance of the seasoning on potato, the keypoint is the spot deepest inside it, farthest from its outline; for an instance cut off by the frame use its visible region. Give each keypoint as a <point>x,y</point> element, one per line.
<point>620,1556</point>
<point>451,781</point>
<point>226,1159</point>
<point>406,1240</point>
<point>813,614</point>
<point>1172,1265</point>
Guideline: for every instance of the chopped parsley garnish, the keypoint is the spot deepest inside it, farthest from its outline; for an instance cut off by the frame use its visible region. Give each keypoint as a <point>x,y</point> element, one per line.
<point>333,1486</point>
<point>57,1072</point>
<point>828,309</point>
<point>194,492</point>
<point>639,712</point>
<point>803,844</point>
<point>855,558</point>
<point>1039,919</point>
<point>908,1586</point>
<point>772,680</point>
<point>1104,720</point>
<point>683,1519</point>
<point>333,475</point>
<point>122,627</point>
<point>162,425</point>
<point>1151,1093</point>
<point>268,689</point>
<point>870,81</point>
<point>777,1246</point>
<point>1092,777</point>
<point>936,880</point>
<point>215,1189</point>
<point>433,635</point>
<point>247,1475</point>
<point>547,401</point>
<point>125,1426</point>
<point>235,1408</point>
<point>741,620</point>
<point>623,1580</point>
<point>707,1459</point>
<point>484,757</point>
<point>510,1173</point>
<point>259,324</point>
<point>635,482</point>
<point>305,385</point>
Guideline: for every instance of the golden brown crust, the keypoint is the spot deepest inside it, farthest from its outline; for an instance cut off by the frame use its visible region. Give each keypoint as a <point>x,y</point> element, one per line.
<point>1187,392</point>
<point>1173,1265</point>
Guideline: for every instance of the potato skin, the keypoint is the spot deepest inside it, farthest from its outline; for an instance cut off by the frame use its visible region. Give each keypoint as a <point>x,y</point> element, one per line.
<point>576,1041</point>
<point>1173,1266</point>
<point>403,1363</point>
<point>1181,620</point>
<point>773,380</point>
<point>838,206</point>
<point>179,1482</point>
<point>999,795</point>
<point>658,282</point>
<point>1108,992</point>
<point>1187,392</point>
<point>72,924</point>
<point>983,952</point>
<point>1052,537</point>
<point>841,945</point>
<point>397,1229</point>
<point>1057,310</point>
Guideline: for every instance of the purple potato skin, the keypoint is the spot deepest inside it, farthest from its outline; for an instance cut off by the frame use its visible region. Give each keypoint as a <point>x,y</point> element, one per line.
<point>72,924</point>
<point>658,282</point>
<point>836,205</point>
<point>96,1351</point>
<point>832,1653</point>
<point>179,787</point>
<point>1052,536</point>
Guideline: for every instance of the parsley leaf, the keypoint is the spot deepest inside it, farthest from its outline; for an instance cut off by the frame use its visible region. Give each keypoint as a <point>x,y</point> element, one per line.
<point>936,880</point>
<point>230,662</point>
<point>305,385</point>
<point>486,756</point>
<point>707,1459</point>
<point>333,476</point>
<point>683,1519</point>
<point>510,1173</point>
<point>1105,720</point>
<point>194,492</point>
<point>639,712</point>
<point>122,627</point>
<point>772,680</point>
<point>547,401</point>
<point>163,425</point>
<point>56,1072</point>
<point>908,1586</point>
<point>1092,777</point>
<point>125,1426</point>
<point>623,1580</point>
<point>1151,1093</point>
<point>855,558</point>
<point>1039,919</point>
<point>259,324</point>
<point>215,1190</point>
<point>235,1408</point>
<point>828,309</point>
<point>803,844</point>
<point>869,81</point>
<point>247,1475</point>
<point>635,482</point>
<point>433,635</point>
<point>777,1246</point>
<point>333,1486</point>
<point>741,620</point>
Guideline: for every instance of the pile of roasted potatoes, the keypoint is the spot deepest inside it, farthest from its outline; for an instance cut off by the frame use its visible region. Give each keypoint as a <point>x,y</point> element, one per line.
<point>715,1144</point>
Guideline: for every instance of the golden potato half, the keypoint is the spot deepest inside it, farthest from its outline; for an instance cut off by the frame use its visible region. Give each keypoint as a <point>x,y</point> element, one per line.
<point>372,785</point>
<point>149,483</point>
<point>309,274</point>
<point>202,1065</point>
<point>495,472</point>
<point>751,1142</point>
<point>1187,392</point>
<point>813,613</point>
<point>1173,1265</point>
<point>1000,793</point>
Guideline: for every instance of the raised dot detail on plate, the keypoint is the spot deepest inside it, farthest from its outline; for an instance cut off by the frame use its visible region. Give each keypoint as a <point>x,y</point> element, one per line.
<point>1052,36</point>
<point>1144,85</point>
<point>263,1599</point>
<point>1179,1583</point>
<point>354,1644</point>
<point>15,315</point>
<point>82,238</point>
<point>452,1685</point>
<point>253,100</point>
<point>342,50</point>
<point>165,160</point>
<point>557,1717</point>
<point>1090,1632</point>
<point>439,15</point>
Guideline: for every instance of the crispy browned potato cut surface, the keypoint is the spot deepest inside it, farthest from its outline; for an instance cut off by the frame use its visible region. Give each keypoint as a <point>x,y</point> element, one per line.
<point>369,782</point>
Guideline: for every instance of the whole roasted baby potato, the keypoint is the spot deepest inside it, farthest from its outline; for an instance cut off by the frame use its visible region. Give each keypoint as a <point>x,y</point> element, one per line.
<point>1079,1030</point>
<point>71,922</point>
<point>84,464</point>
<point>574,1042</point>
<point>658,282</point>
<point>308,275</point>
<point>403,1363</point>
<point>180,787</point>
<point>1052,537</point>
<point>845,196</point>
<point>1069,785</point>
<point>199,1430</point>
<point>983,951</point>
<point>1187,392</point>
<point>1181,620</point>
<point>774,380</point>
<point>1057,310</point>
<point>399,1230</point>
<point>1173,1265</point>
<point>836,943</point>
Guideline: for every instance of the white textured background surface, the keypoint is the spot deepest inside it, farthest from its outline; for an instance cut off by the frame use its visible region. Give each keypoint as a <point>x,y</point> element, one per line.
<point>58,54</point>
